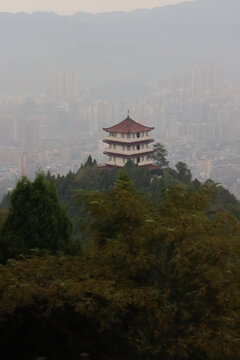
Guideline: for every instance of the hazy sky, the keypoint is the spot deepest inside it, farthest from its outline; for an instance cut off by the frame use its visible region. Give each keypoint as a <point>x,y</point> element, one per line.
<point>72,6</point>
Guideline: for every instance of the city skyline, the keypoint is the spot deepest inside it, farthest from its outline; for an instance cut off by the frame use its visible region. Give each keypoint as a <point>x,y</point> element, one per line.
<point>63,79</point>
<point>72,6</point>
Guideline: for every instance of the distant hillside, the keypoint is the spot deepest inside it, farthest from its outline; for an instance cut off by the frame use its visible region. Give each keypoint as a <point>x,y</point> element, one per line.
<point>135,47</point>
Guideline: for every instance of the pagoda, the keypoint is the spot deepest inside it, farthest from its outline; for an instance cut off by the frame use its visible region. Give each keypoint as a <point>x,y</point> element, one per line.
<point>128,140</point>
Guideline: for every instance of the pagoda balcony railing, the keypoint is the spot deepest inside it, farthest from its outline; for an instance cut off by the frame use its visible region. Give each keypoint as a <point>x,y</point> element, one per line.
<point>128,140</point>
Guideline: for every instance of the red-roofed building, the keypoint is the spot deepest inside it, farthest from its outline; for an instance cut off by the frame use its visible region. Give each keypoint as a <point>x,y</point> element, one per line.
<point>129,140</point>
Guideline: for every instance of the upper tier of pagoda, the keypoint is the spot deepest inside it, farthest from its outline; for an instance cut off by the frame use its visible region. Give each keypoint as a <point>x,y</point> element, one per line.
<point>128,126</point>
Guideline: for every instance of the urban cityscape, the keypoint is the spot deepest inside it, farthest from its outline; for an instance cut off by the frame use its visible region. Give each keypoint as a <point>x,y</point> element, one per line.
<point>196,118</point>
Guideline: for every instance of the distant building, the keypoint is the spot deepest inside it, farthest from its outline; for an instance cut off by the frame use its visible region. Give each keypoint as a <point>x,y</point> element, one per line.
<point>7,131</point>
<point>66,86</point>
<point>204,167</point>
<point>128,140</point>
<point>29,134</point>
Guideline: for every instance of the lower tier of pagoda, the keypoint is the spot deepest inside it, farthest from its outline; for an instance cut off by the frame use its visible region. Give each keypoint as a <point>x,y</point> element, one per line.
<point>117,164</point>
<point>109,167</point>
<point>141,159</point>
<point>128,154</point>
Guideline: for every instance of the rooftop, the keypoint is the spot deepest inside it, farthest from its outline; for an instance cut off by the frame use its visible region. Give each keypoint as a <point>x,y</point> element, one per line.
<point>128,126</point>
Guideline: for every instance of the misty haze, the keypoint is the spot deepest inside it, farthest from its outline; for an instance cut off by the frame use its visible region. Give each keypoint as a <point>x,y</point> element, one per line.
<point>176,68</point>
<point>120,180</point>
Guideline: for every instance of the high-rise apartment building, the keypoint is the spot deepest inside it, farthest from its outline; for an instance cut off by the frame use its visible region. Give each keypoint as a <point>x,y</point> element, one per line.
<point>66,86</point>
<point>29,134</point>
<point>7,131</point>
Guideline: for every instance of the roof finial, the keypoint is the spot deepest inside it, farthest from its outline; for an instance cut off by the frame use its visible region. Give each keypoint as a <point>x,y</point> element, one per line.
<point>128,112</point>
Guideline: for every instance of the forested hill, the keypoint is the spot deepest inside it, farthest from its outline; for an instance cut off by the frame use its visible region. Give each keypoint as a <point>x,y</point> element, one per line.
<point>154,185</point>
<point>155,274</point>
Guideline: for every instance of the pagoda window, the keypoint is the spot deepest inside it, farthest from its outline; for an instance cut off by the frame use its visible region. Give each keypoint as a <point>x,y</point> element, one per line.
<point>138,134</point>
<point>138,159</point>
<point>128,136</point>
<point>114,146</point>
<point>138,147</point>
<point>142,146</point>
<point>122,136</point>
<point>133,136</point>
<point>129,147</point>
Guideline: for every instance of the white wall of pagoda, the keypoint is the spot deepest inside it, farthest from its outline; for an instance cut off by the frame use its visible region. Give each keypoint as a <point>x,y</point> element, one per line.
<point>120,162</point>
<point>128,149</point>
<point>129,137</point>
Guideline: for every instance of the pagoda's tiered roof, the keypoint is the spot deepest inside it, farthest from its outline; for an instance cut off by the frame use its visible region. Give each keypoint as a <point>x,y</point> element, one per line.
<point>128,126</point>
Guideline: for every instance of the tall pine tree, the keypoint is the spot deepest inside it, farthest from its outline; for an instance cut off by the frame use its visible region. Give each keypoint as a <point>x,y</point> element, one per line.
<point>35,219</point>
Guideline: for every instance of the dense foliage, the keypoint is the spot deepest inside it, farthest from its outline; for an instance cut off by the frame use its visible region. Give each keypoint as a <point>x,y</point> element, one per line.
<point>154,185</point>
<point>160,154</point>
<point>35,220</point>
<point>155,281</point>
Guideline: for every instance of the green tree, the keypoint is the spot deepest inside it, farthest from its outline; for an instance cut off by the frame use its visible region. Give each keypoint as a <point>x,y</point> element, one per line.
<point>90,162</point>
<point>160,155</point>
<point>157,282</point>
<point>201,275</point>
<point>140,175</point>
<point>35,219</point>
<point>184,174</point>
<point>2,216</point>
